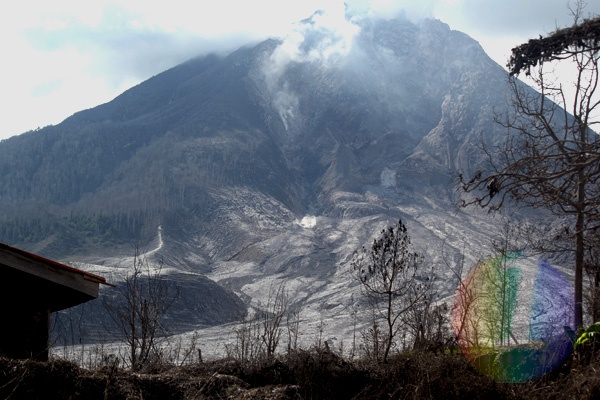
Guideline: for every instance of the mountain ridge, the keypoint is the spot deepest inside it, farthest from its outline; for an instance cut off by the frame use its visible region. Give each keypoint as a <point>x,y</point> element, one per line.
<point>269,165</point>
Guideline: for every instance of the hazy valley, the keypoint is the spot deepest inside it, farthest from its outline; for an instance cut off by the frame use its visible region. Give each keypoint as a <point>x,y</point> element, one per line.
<point>268,166</point>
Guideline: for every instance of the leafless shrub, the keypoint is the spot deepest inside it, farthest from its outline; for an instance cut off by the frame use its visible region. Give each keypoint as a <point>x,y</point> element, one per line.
<point>257,338</point>
<point>138,308</point>
<point>391,276</point>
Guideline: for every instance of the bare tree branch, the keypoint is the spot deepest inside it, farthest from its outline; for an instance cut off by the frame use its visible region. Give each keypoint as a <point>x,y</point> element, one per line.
<point>550,159</point>
<point>583,37</point>
<point>390,274</point>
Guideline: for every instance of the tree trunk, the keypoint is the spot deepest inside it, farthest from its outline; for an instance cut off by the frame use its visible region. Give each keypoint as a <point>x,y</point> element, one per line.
<point>390,338</point>
<point>579,252</point>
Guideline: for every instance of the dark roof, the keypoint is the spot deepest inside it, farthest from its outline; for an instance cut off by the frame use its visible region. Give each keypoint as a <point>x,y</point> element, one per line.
<point>44,260</point>
<point>30,280</point>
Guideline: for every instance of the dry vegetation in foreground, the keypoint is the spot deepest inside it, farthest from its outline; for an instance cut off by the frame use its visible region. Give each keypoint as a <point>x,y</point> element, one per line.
<point>315,374</point>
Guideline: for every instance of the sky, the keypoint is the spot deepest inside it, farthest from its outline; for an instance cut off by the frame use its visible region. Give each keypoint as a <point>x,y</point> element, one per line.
<point>65,56</point>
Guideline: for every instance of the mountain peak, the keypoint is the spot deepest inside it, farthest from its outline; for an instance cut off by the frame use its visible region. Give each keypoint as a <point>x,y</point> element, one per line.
<point>348,129</point>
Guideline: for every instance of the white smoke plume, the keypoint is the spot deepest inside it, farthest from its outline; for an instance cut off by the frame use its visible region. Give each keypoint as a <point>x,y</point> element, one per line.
<point>324,38</point>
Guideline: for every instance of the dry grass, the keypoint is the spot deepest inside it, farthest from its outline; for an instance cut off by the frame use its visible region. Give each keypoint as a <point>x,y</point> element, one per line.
<point>314,374</point>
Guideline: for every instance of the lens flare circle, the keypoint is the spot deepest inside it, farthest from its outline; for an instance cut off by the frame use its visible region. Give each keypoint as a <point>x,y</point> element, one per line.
<point>510,317</point>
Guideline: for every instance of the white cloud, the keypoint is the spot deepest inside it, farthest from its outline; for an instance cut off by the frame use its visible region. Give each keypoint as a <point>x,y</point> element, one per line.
<point>501,25</point>
<point>326,38</point>
<point>67,55</point>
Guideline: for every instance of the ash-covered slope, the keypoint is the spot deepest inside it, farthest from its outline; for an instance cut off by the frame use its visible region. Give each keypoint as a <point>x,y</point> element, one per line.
<point>269,165</point>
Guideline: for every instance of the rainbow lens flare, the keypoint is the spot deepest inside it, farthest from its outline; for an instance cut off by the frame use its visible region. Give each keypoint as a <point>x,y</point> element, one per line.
<point>509,317</point>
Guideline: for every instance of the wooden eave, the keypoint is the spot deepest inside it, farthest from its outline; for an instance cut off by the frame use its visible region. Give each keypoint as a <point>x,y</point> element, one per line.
<point>30,278</point>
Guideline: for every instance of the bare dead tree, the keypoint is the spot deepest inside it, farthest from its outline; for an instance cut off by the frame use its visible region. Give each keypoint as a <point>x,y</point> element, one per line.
<point>486,298</point>
<point>293,330</point>
<point>372,339</point>
<point>550,157</point>
<point>257,337</point>
<point>138,308</point>
<point>592,294</point>
<point>272,317</point>
<point>388,272</point>
<point>502,282</point>
<point>463,317</point>
<point>496,280</point>
<point>582,37</point>
<point>248,347</point>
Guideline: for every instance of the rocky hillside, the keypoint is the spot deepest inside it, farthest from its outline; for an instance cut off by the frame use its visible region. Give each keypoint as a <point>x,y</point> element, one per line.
<point>270,165</point>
